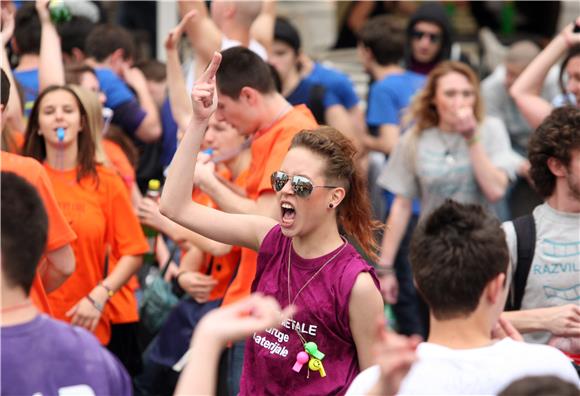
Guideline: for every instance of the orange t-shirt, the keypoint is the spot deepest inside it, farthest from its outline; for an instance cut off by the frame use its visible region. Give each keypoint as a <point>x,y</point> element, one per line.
<point>59,232</point>
<point>268,151</point>
<point>120,163</point>
<point>100,214</point>
<point>223,267</point>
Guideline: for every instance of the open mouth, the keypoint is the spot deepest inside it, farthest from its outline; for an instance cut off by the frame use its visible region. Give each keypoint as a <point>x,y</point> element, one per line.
<point>288,213</point>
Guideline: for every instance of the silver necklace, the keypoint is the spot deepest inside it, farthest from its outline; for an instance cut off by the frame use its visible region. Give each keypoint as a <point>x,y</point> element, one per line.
<point>292,301</point>
<point>449,158</point>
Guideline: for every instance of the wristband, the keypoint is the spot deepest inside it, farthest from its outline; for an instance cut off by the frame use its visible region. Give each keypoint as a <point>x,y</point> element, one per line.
<point>381,271</point>
<point>96,304</point>
<point>110,291</point>
<point>474,139</point>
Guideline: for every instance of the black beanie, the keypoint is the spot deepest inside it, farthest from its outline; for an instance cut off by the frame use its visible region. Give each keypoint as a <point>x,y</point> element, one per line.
<point>284,31</point>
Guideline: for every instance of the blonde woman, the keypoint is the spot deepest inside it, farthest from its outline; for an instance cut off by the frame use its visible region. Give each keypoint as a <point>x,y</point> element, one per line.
<point>452,151</point>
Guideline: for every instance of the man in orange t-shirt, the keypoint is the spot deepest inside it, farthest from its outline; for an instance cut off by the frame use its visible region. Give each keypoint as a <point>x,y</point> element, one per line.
<point>59,260</point>
<point>248,100</point>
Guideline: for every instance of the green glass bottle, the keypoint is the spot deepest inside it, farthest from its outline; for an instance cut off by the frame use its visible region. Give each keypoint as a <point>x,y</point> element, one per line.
<point>59,12</point>
<point>153,192</point>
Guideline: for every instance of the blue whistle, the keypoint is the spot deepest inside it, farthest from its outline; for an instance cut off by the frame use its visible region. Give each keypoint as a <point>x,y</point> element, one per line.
<point>208,151</point>
<point>60,134</point>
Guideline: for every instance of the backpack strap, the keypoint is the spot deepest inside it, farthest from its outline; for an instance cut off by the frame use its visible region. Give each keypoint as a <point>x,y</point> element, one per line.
<point>316,103</point>
<point>525,228</point>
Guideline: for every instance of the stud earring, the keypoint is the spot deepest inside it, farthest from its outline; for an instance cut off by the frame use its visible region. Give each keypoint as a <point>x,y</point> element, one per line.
<point>331,205</point>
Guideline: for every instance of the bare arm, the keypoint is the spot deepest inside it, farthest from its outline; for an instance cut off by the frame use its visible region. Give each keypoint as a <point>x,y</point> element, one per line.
<point>386,141</point>
<point>150,128</point>
<point>397,222</point>
<point>239,230</point>
<point>262,30</point>
<point>231,202</point>
<point>149,215</point>
<point>51,67</point>
<point>365,306</point>
<point>13,112</point>
<point>60,265</point>
<point>178,96</point>
<point>527,89</point>
<point>561,321</point>
<point>492,180</point>
<point>205,37</point>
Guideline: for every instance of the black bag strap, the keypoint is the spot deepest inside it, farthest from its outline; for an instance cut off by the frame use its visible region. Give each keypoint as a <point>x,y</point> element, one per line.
<point>316,103</point>
<point>169,259</point>
<point>525,228</point>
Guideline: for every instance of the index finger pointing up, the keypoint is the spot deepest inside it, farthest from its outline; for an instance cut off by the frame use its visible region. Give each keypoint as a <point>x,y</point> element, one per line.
<point>209,73</point>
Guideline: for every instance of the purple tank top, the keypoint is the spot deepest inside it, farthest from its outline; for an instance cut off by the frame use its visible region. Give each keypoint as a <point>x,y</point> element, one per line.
<point>322,317</point>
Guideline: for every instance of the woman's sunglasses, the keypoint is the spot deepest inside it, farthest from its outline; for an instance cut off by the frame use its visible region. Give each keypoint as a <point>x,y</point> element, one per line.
<point>302,186</point>
<point>433,37</point>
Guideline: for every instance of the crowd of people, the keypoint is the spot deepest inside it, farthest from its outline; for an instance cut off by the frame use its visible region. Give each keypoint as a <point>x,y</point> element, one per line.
<point>279,219</point>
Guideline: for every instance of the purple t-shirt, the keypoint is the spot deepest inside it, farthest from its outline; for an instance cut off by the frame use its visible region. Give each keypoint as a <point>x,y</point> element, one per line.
<point>49,357</point>
<point>322,317</point>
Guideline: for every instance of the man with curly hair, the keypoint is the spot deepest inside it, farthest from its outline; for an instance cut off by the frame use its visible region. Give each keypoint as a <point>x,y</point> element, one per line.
<point>549,311</point>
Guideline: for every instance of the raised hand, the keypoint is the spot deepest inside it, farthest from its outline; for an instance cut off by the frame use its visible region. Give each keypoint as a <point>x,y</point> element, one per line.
<point>7,25</point>
<point>175,34</point>
<point>571,37</point>
<point>504,329</point>
<point>240,320</point>
<point>204,93</point>
<point>42,11</point>
<point>466,123</point>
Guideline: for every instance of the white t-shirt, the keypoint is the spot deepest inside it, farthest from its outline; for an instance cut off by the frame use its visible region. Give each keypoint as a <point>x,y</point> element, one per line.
<point>484,371</point>
<point>554,277</point>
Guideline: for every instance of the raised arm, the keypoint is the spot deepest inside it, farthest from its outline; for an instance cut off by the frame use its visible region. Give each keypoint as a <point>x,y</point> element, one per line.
<point>178,97</point>
<point>176,203</point>
<point>51,67</point>
<point>262,30</point>
<point>13,111</point>
<point>526,90</point>
<point>204,35</point>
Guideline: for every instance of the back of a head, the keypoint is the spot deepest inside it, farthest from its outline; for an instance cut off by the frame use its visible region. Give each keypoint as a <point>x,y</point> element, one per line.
<point>106,39</point>
<point>74,33</point>
<point>153,70</point>
<point>27,29</point>
<point>23,232</point>
<point>5,88</point>
<point>540,386</point>
<point>455,252</point>
<point>241,67</point>
<point>247,12</point>
<point>286,32</point>
<point>556,137</point>
<point>384,36</point>
<point>521,53</point>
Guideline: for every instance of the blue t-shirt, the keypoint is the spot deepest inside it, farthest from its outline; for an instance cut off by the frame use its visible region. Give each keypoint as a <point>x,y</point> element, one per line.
<point>28,80</point>
<point>169,136</point>
<point>49,357</point>
<point>338,88</point>
<point>127,113</point>
<point>389,97</point>
<point>387,100</point>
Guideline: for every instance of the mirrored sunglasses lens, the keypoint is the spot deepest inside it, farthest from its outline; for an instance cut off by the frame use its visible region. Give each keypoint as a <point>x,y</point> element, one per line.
<point>279,180</point>
<point>302,186</point>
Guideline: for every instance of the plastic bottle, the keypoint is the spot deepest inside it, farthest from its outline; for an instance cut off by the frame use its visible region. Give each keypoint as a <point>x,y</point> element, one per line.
<point>59,12</point>
<point>153,192</point>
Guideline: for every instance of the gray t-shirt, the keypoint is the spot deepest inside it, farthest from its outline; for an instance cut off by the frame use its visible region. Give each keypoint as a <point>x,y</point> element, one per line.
<point>498,103</point>
<point>440,166</point>
<point>554,277</point>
